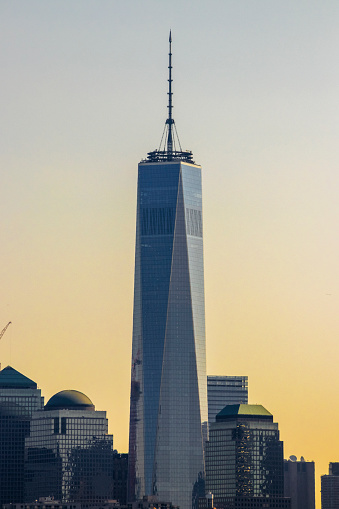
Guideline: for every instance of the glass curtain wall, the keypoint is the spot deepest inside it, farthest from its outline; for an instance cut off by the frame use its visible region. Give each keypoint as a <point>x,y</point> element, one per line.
<point>168,415</point>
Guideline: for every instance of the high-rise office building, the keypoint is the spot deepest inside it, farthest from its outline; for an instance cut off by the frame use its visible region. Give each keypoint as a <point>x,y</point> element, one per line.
<point>19,398</point>
<point>225,390</point>
<point>244,459</point>
<point>168,412</point>
<point>330,488</point>
<point>299,483</point>
<point>69,455</point>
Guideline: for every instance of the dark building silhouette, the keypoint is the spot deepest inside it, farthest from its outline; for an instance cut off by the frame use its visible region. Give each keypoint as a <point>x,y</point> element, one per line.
<point>152,502</point>
<point>47,503</point>
<point>333,468</point>
<point>19,398</point>
<point>330,488</point>
<point>299,483</point>
<point>69,455</point>
<point>168,412</point>
<point>244,459</point>
<point>225,390</point>
<point>120,470</point>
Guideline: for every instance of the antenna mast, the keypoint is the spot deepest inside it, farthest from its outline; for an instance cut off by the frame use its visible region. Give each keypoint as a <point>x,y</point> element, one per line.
<point>170,120</point>
<point>170,147</point>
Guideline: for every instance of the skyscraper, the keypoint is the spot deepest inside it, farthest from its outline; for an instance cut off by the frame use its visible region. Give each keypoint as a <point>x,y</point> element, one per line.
<point>69,454</point>
<point>244,459</point>
<point>330,488</point>
<point>299,483</point>
<point>168,413</point>
<point>225,390</point>
<point>19,398</point>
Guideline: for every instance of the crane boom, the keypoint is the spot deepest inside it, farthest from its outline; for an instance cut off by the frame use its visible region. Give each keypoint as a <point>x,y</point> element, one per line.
<point>4,329</point>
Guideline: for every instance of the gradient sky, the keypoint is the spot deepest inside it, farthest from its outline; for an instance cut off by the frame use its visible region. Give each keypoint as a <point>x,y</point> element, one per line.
<point>83,99</point>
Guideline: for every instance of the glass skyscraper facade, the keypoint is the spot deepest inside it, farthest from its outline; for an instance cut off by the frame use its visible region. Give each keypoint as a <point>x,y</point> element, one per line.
<point>168,417</point>
<point>225,390</point>
<point>19,399</point>
<point>168,413</point>
<point>244,459</point>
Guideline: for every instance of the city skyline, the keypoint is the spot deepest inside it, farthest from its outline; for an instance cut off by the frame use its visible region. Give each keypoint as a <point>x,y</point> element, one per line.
<point>256,92</point>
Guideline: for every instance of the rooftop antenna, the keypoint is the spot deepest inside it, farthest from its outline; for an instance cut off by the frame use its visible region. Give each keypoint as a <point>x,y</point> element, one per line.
<point>170,146</point>
<point>170,120</point>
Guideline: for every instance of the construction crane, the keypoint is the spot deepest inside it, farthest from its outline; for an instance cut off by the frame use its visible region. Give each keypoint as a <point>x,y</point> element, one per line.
<point>4,329</point>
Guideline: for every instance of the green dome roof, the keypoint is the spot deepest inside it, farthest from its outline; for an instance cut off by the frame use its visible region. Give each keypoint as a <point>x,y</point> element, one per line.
<point>244,411</point>
<point>69,400</point>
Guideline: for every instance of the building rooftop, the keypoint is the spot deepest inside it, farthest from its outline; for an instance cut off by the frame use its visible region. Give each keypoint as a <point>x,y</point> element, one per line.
<point>10,378</point>
<point>245,411</point>
<point>69,400</point>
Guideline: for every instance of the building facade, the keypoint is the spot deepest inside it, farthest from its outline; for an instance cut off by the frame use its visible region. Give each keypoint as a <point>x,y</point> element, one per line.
<point>225,390</point>
<point>69,455</point>
<point>168,412</point>
<point>120,469</point>
<point>299,483</point>
<point>152,502</point>
<point>19,398</point>
<point>43,503</point>
<point>330,488</point>
<point>244,459</point>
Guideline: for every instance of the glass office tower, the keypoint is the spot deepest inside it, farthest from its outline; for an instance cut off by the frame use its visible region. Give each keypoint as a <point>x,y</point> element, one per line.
<point>225,390</point>
<point>244,460</point>
<point>168,414</point>
<point>19,399</point>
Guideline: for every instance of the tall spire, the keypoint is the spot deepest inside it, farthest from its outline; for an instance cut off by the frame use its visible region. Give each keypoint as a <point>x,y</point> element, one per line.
<point>170,147</point>
<point>170,120</point>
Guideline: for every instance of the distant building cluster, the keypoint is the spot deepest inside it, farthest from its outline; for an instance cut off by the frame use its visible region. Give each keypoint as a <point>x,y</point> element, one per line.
<point>57,454</point>
<point>60,455</point>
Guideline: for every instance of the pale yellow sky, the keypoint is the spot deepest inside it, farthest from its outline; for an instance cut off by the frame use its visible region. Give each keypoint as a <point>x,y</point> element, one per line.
<point>255,97</point>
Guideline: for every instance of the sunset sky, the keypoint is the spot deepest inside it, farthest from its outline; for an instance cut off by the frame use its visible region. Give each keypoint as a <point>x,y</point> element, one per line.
<point>83,99</point>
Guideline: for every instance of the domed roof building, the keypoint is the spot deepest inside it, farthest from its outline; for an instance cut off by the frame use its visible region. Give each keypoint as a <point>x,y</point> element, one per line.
<point>69,452</point>
<point>69,400</point>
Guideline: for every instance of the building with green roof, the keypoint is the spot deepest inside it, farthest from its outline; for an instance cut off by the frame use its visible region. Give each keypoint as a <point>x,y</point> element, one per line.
<point>244,411</point>
<point>244,459</point>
